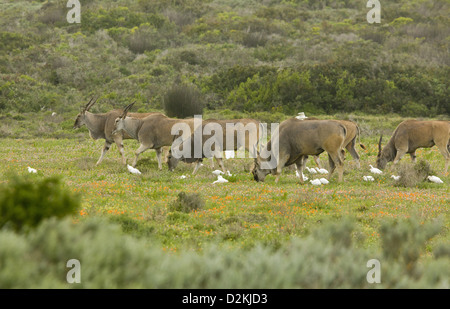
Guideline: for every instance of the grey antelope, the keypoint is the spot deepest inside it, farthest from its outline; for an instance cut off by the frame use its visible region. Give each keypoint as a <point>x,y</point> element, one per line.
<point>100,126</point>
<point>232,134</point>
<point>152,132</point>
<point>413,134</point>
<point>295,140</point>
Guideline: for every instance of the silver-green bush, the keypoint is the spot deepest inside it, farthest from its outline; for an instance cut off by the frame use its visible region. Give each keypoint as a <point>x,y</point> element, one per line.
<point>327,258</point>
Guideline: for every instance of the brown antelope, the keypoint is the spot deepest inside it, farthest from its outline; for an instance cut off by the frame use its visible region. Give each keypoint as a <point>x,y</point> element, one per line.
<point>353,132</point>
<point>236,134</point>
<point>413,134</point>
<point>152,132</point>
<point>295,140</point>
<point>100,126</point>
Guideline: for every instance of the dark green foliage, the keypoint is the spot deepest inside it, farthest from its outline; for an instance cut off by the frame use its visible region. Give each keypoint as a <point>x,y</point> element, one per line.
<point>10,41</point>
<point>183,100</point>
<point>187,202</point>
<point>120,16</point>
<point>26,201</point>
<point>314,56</point>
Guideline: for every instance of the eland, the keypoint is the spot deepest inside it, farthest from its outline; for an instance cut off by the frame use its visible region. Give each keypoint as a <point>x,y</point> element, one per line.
<point>294,140</point>
<point>101,126</point>
<point>411,135</point>
<point>152,132</point>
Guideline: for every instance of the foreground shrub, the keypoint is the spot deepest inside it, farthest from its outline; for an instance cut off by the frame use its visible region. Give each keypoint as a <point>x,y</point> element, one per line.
<point>327,258</point>
<point>25,201</point>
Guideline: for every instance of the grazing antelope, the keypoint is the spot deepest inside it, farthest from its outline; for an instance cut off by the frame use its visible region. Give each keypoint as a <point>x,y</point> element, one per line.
<point>236,134</point>
<point>152,132</point>
<point>353,132</point>
<point>102,125</point>
<point>295,140</point>
<point>413,134</point>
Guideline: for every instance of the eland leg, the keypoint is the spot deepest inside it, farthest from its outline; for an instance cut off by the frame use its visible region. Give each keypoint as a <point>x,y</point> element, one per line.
<point>299,165</point>
<point>336,163</point>
<point>197,166</point>
<point>140,150</point>
<point>158,156</point>
<point>104,151</point>
<point>119,142</point>
<point>400,153</point>
<point>413,156</point>
<point>317,160</point>
<point>351,149</point>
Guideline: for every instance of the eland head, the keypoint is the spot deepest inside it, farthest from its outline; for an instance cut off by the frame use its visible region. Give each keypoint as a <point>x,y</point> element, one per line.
<point>80,120</point>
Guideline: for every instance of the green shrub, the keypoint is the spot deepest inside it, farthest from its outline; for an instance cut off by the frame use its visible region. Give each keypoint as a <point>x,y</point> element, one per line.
<point>412,175</point>
<point>183,101</point>
<point>145,38</point>
<point>26,201</point>
<point>413,109</point>
<point>10,41</point>
<point>187,202</point>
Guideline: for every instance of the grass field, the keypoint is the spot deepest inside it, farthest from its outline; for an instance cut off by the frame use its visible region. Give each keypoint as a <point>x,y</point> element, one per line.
<point>240,213</point>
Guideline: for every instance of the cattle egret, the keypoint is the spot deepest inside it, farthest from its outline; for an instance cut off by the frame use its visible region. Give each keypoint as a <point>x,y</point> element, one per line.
<point>218,172</point>
<point>229,174</point>
<point>375,170</point>
<point>395,177</point>
<point>182,176</point>
<point>133,170</point>
<point>321,170</point>
<point>368,178</point>
<point>301,116</point>
<point>311,170</point>
<point>220,179</point>
<point>31,170</point>
<point>315,182</point>
<point>324,181</point>
<point>435,179</point>
<point>53,114</point>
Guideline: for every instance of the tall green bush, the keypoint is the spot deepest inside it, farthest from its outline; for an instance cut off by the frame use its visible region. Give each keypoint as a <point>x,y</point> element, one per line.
<point>26,201</point>
<point>183,100</point>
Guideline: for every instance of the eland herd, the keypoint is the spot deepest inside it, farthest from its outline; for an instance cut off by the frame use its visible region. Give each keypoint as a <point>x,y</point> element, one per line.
<point>291,142</point>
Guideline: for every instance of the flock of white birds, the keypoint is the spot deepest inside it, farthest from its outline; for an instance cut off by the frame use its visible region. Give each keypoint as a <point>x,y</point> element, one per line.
<point>313,170</point>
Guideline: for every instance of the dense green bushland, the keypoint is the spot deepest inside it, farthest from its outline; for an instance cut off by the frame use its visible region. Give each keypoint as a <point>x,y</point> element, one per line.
<point>278,56</point>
